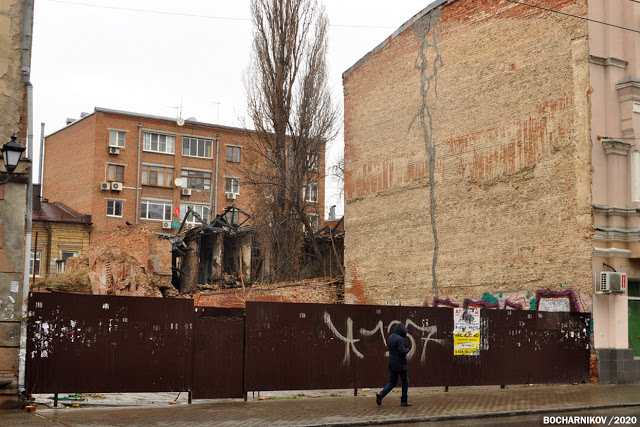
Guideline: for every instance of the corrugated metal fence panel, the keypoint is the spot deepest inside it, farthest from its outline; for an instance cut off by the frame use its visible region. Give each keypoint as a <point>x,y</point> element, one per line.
<point>310,346</point>
<point>95,343</point>
<point>218,353</point>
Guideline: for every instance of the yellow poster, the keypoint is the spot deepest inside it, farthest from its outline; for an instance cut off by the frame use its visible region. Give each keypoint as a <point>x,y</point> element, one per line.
<point>466,331</point>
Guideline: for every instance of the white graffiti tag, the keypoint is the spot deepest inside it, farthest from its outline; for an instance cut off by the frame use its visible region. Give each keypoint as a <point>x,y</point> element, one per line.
<point>348,340</point>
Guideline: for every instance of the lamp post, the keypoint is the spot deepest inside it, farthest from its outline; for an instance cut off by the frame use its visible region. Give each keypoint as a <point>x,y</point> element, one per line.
<point>11,153</point>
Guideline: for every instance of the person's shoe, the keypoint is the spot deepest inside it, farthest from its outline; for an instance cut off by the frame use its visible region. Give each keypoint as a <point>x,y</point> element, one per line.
<point>405,404</point>
<point>378,399</point>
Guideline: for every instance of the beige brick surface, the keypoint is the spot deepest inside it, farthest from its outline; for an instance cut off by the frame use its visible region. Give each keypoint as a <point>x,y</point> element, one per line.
<point>509,110</point>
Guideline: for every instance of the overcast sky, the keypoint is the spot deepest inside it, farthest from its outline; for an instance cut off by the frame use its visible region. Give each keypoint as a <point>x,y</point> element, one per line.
<point>151,56</point>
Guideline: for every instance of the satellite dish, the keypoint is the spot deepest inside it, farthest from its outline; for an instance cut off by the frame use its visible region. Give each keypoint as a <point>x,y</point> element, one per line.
<point>178,182</point>
<point>180,121</point>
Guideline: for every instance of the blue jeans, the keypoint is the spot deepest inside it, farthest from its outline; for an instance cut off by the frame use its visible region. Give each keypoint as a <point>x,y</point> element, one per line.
<point>393,380</point>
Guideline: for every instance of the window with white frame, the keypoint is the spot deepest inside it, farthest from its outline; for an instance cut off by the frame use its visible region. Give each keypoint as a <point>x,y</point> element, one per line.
<point>115,173</point>
<point>201,210</point>
<point>313,219</point>
<point>233,154</point>
<point>34,263</point>
<point>114,208</point>
<point>232,185</point>
<point>156,210</point>
<point>159,143</point>
<point>310,192</point>
<point>197,147</point>
<point>117,138</point>
<point>198,180</point>
<point>232,217</point>
<point>312,162</point>
<point>64,255</point>
<point>156,175</point>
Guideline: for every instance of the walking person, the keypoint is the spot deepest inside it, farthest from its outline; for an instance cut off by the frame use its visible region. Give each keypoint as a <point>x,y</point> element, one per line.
<point>397,365</point>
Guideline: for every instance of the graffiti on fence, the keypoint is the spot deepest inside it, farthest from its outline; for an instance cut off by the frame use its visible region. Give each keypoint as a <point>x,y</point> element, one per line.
<point>428,335</point>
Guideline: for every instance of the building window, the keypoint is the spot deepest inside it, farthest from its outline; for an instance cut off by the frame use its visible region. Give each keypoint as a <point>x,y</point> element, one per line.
<point>310,192</point>
<point>159,143</point>
<point>233,154</point>
<point>114,208</point>
<point>232,185</point>
<point>35,263</point>
<point>312,162</point>
<point>232,217</point>
<point>313,219</point>
<point>156,209</point>
<point>196,179</point>
<point>115,173</point>
<point>195,147</point>
<point>201,210</point>
<point>156,175</point>
<point>116,138</point>
<point>64,255</point>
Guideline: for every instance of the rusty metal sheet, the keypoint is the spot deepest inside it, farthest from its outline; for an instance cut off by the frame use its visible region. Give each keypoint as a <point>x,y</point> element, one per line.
<point>95,343</point>
<point>218,365</point>
<point>309,346</point>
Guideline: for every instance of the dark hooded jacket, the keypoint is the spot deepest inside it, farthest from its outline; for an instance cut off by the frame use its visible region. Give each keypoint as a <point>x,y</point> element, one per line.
<point>398,349</point>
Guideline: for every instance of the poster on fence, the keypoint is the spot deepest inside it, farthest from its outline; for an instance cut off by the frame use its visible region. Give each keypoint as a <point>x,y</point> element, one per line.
<point>466,331</point>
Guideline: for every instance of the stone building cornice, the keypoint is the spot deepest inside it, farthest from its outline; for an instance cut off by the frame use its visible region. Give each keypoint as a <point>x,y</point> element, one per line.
<point>616,146</point>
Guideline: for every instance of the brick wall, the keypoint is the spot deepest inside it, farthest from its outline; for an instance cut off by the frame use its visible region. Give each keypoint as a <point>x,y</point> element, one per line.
<point>88,139</point>
<point>309,291</point>
<point>498,92</point>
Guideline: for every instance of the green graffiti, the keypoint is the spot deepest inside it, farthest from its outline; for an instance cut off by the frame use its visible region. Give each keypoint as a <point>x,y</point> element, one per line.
<point>533,305</point>
<point>489,298</point>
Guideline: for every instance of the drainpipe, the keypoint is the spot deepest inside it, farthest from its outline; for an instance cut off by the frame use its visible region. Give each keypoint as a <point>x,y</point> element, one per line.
<point>41,168</point>
<point>48,228</point>
<point>214,203</point>
<point>138,174</point>
<point>27,26</point>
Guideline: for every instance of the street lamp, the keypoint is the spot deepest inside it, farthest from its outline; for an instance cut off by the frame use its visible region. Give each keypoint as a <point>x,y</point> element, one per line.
<point>11,153</point>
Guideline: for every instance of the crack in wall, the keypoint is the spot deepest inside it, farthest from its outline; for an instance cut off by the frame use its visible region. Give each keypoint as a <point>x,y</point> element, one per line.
<point>427,29</point>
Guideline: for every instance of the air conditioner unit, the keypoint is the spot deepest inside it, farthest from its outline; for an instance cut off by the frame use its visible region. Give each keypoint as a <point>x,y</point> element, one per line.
<point>231,196</point>
<point>166,224</point>
<point>114,150</point>
<point>186,191</point>
<point>104,186</point>
<point>116,186</point>
<point>612,282</point>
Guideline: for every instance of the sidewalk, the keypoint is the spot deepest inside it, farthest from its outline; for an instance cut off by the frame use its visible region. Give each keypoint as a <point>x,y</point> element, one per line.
<point>460,403</point>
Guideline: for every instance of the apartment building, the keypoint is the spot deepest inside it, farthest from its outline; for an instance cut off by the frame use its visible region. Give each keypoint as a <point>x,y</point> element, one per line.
<point>122,167</point>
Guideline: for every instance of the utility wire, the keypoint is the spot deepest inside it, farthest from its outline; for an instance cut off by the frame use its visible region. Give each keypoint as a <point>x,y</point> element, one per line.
<point>575,16</point>
<point>193,15</point>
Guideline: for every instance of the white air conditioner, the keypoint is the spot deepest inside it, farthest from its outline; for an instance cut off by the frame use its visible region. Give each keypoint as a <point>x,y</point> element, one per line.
<point>104,186</point>
<point>166,224</point>
<point>114,150</point>
<point>186,191</point>
<point>612,282</point>
<point>116,186</point>
<point>231,196</point>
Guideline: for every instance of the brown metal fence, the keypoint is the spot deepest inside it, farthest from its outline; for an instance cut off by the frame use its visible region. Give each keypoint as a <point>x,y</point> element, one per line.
<point>95,343</point>
<point>87,343</point>
<point>218,353</point>
<point>309,346</point>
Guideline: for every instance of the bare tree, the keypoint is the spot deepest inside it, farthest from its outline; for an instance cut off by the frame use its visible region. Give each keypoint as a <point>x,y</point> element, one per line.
<point>294,117</point>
